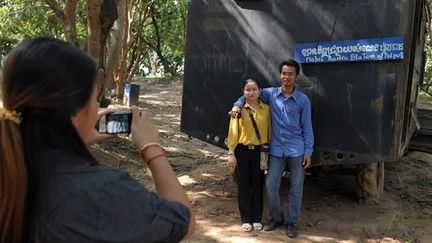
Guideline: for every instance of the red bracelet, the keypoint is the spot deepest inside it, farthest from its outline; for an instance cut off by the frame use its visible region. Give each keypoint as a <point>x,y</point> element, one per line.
<point>148,145</point>
<point>155,157</point>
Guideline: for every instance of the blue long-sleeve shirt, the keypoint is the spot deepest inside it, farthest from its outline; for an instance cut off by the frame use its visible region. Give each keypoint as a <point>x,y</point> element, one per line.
<point>292,133</point>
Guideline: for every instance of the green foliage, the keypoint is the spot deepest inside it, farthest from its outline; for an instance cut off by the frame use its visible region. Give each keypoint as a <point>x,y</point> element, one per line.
<point>428,67</point>
<point>170,16</point>
<point>173,16</point>
<point>20,19</point>
<point>428,49</point>
<point>425,95</point>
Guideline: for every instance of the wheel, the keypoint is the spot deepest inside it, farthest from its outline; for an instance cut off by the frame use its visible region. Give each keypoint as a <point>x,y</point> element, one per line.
<point>370,182</point>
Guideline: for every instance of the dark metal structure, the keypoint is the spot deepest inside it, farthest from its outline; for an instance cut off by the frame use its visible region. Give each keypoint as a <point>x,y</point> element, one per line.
<point>362,111</point>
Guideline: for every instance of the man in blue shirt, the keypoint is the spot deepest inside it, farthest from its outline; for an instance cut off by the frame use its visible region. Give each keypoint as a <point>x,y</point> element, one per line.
<point>291,145</point>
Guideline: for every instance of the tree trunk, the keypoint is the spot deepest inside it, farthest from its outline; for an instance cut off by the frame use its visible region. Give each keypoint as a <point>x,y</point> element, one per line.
<point>94,29</point>
<point>135,60</point>
<point>101,17</point>
<point>71,13</point>
<point>67,18</point>
<point>123,60</point>
<point>94,43</point>
<point>153,65</point>
<point>165,62</point>
<point>370,182</point>
<point>157,48</point>
<point>115,50</point>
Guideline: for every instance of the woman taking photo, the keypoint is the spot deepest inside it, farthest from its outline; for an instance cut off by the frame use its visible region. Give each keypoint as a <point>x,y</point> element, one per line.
<point>244,154</point>
<point>51,187</point>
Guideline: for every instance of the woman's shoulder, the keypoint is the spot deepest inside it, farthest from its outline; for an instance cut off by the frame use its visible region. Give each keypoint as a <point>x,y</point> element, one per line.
<point>58,167</point>
<point>92,177</point>
<point>67,174</point>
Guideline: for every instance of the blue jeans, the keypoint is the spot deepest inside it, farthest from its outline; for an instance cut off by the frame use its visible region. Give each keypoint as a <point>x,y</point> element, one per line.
<point>276,168</point>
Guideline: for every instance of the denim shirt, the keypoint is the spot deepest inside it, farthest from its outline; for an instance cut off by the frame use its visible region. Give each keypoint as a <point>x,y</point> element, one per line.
<point>292,133</point>
<point>79,202</point>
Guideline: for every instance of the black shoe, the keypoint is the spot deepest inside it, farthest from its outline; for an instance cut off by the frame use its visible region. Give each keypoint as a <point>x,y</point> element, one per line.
<point>272,225</point>
<point>291,230</point>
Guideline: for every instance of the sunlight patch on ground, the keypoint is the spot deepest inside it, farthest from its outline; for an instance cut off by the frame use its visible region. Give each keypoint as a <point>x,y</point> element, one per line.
<point>186,180</point>
<point>316,238</point>
<point>205,152</point>
<point>171,149</point>
<point>219,231</point>
<point>230,232</point>
<point>168,115</point>
<point>206,194</point>
<point>157,100</point>
<point>180,136</point>
<point>216,176</point>
<point>387,239</point>
<point>148,96</point>
<point>210,230</point>
<point>237,239</point>
<point>163,131</point>
<point>219,196</point>
<point>208,175</point>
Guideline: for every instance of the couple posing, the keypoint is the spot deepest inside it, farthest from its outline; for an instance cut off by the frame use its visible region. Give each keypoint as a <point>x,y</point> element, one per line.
<point>291,146</point>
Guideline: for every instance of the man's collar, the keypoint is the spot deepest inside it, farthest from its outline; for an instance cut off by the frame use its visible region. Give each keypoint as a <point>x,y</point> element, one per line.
<point>279,91</point>
<point>294,94</point>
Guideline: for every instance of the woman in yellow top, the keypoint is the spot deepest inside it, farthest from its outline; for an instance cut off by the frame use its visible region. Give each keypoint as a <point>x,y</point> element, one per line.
<point>244,155</point>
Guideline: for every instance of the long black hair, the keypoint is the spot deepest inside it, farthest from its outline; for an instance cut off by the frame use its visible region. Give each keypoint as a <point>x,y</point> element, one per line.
<point>47,80</point>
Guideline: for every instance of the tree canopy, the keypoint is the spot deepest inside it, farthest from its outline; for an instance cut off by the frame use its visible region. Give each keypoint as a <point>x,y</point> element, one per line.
<point>126,37</point>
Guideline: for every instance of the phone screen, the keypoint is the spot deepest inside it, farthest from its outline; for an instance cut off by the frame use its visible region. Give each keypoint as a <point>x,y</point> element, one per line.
<point>118,122</point>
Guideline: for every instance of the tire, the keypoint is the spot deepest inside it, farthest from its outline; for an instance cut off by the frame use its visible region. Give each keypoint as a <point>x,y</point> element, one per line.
<point>370,182</point>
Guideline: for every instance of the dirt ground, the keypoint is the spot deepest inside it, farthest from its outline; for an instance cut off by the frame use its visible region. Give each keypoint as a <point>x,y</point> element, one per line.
<point>329,213</point>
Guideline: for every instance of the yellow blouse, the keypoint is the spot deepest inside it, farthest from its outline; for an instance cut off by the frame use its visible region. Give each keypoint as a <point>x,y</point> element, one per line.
<point>241,130</point>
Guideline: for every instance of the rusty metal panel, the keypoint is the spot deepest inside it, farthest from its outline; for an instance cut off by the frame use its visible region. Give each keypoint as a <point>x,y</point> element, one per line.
<point>358,108</point>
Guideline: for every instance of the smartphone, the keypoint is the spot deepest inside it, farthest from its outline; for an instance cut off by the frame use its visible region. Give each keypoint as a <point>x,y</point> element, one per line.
<point>118,122</point>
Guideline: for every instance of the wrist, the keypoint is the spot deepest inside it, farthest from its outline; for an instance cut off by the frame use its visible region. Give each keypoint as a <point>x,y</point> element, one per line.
<point>158,156</point>
<point>151,151</point>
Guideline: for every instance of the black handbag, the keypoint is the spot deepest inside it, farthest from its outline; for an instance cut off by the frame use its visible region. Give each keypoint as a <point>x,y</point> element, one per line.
<point>264,155</point>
